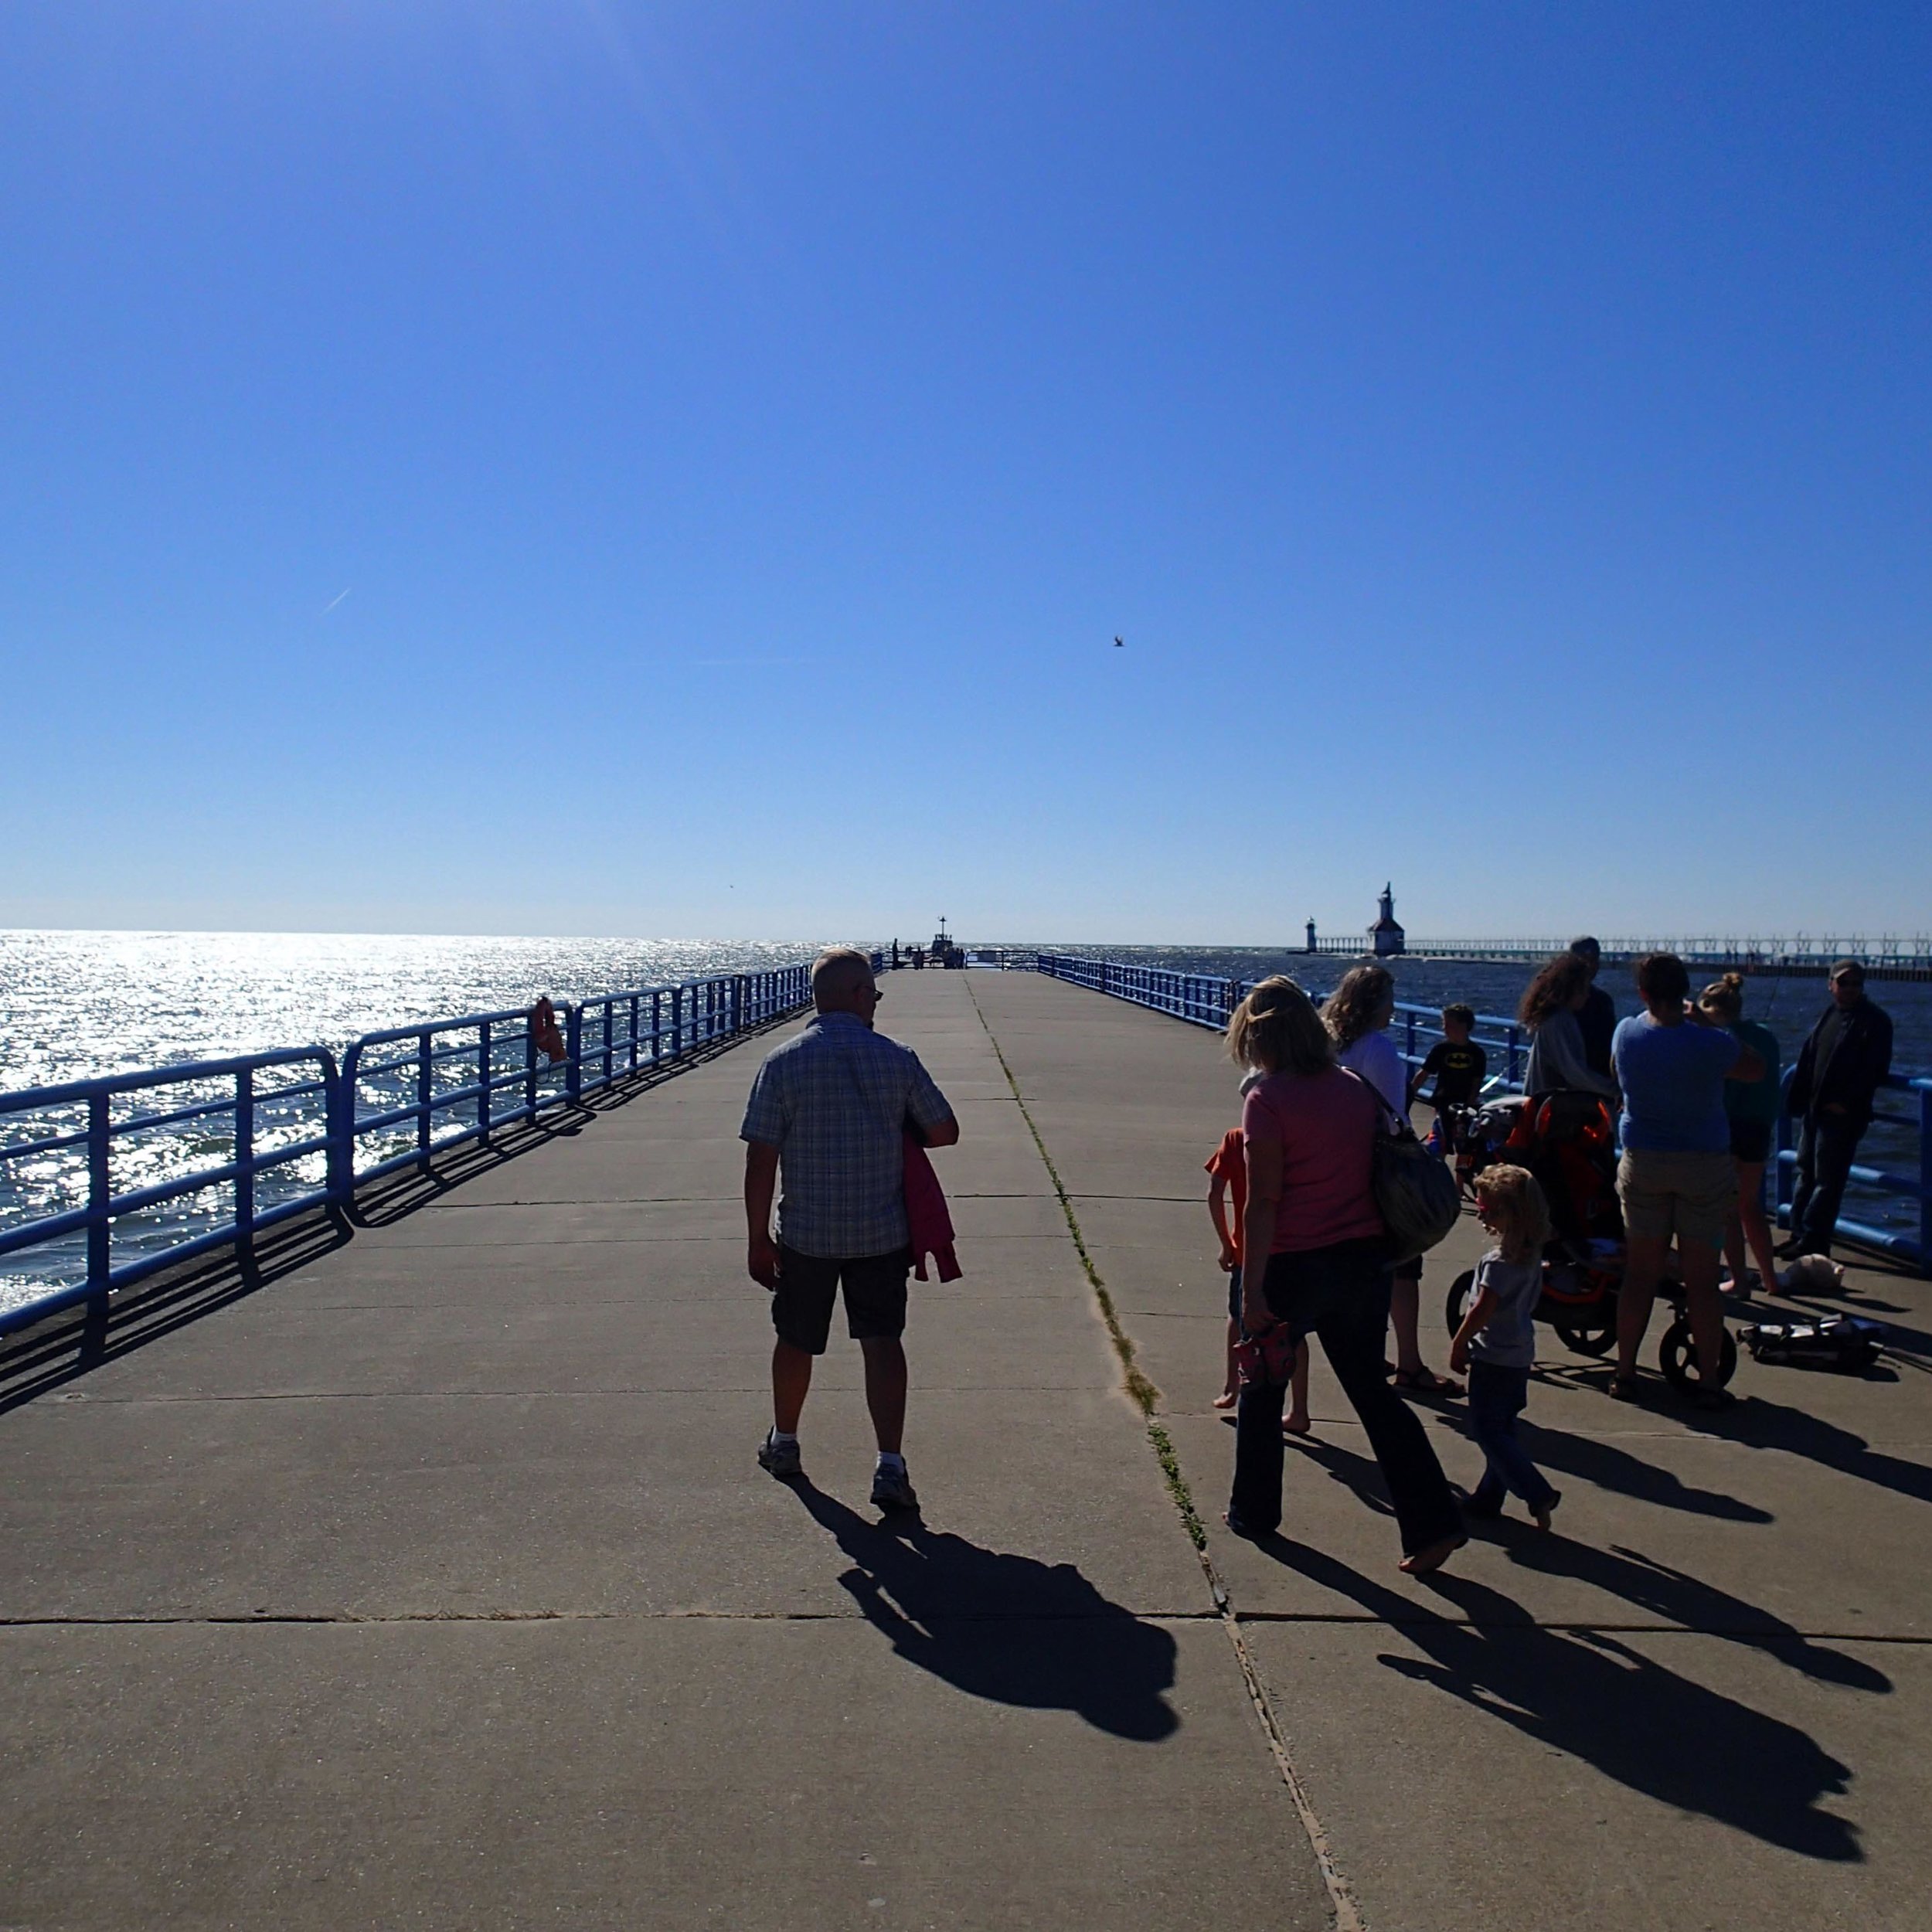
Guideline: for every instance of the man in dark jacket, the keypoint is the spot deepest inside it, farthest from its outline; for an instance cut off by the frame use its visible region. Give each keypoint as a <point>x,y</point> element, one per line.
<point>1839,1070</point>
<point>1597,1020</point>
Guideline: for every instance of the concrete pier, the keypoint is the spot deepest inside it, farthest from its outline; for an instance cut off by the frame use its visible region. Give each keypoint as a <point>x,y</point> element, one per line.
<point>428,1579</point>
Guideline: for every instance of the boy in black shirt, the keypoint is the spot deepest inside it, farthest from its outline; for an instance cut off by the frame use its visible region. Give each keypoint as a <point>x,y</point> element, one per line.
<point>1457,1062</point>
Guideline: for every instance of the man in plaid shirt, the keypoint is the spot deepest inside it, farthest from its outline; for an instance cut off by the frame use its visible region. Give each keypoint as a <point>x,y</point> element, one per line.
<point>831,1106</point>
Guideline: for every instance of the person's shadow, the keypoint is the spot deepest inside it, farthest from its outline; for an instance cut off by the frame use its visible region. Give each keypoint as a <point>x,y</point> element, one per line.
<point>1003,1627</point>
<point>1598,1698</point>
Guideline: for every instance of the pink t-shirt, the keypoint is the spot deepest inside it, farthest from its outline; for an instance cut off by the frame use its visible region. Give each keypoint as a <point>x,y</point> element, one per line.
<point>1325,1124</point>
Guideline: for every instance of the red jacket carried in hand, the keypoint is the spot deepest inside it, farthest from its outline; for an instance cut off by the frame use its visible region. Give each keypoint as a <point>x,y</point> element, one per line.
<point>929,1225</point>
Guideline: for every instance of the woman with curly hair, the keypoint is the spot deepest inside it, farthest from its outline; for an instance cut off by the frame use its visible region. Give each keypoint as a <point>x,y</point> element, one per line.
<point>1558,1060</point>
<point>1357,1015</point>
<point>1313,1248</point>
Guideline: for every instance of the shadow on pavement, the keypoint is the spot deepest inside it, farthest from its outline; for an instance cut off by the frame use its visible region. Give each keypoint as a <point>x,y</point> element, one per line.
<point>1595,1460</point>
<point>1003,1627</point>
<point>1760,1424</point>
<point>1592,1695</point>
<point>36,1360</point>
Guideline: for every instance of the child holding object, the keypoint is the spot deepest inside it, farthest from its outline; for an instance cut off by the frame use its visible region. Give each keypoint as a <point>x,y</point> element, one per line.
<point>1227,1169</point>
<point>1496,1345</point>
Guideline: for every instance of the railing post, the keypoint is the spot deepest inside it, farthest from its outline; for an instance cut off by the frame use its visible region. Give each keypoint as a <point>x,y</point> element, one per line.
<point>483,1082</point>
<point>1514,1039</point>
<point>737,1002</point>
<point>656,1027</point>
<point>425,1089</point>
<point>529,1068</point>
<point>677,1021</point>
<point>1925,1180</point>
<point>339,1115</point>
<point>1782,1179</point>
<point>573,1051</point>
<point>1409,1046</point>
<point>635,1003</point>
<point>245,1156</point>
<point>610,1064</point>
<point>100,1242</point>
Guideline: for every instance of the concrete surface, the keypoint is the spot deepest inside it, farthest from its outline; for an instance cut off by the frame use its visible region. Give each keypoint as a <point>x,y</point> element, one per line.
<point>427,1578</point>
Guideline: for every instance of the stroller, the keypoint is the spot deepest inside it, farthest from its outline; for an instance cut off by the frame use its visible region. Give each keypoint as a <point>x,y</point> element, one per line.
<point>1568,1142</point>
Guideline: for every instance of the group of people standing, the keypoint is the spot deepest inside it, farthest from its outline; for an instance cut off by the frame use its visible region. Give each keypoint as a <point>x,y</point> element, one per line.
<point>1696,1088</point>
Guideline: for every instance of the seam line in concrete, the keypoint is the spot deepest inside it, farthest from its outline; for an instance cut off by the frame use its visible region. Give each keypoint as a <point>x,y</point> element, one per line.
<point>245,1620</point>
<point>1341,1899</point>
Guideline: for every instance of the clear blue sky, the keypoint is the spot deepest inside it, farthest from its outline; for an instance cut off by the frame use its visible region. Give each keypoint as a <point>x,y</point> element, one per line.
<point>593,467</point>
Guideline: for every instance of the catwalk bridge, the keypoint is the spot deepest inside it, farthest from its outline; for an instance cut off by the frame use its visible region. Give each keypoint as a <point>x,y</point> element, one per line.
<point>400,1558</point>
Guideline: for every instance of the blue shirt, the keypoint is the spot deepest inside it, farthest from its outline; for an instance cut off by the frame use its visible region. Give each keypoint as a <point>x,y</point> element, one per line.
<point>1672,1079</point>
<point>834,1101</point>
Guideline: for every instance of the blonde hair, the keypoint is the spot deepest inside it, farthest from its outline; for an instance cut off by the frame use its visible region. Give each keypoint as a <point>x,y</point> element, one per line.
<point>1516,1203</point>
<point>1724,996</point>
<point>1276,1028</point>
<point>1352,1006</point>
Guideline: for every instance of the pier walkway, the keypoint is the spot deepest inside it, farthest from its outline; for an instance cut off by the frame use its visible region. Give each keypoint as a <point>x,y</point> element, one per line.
<point>430,1581</point>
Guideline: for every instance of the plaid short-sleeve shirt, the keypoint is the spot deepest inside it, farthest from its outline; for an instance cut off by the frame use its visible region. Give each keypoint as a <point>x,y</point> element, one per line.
<point>834,1101</point>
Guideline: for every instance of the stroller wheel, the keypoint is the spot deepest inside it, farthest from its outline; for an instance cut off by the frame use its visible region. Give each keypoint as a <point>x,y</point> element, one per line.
<point>1588,1331</point>
<point>1456,1305</point>
<point>1677,1356</point>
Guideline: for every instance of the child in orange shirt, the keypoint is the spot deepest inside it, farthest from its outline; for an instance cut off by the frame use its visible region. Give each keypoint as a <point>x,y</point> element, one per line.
<point>1227,1169</point>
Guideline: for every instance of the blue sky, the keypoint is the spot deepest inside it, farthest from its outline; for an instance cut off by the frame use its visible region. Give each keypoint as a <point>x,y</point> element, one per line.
<point>587,467</point>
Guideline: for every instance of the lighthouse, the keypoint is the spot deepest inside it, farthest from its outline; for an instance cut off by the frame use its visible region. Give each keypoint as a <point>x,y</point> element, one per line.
<point>1385,936</point>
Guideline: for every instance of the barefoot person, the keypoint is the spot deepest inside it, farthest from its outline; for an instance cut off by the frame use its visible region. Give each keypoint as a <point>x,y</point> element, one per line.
<point>829,1108</point>
<point>1675,1178</point>
<point>1313,1252</point>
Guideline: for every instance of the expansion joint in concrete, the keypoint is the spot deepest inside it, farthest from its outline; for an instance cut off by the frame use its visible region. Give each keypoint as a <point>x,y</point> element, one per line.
<point>1342,1899</point>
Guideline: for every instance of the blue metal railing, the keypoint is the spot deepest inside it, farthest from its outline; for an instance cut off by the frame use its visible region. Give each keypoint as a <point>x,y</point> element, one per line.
<point>280,1147</point>
<point>1208,1001</point>
<point>1205,1000</point>
<point>259,1126</point>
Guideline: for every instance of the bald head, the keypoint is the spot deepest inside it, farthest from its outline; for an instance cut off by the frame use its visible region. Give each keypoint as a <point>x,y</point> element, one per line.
<point>842,982</point>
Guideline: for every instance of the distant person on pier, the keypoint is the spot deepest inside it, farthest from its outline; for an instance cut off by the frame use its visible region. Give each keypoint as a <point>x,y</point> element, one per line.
<point>1752,1108</point>
<point>1839,1071</point>
<point>1552,1010</point>
<point>1312,1249</point>
<point>1675,1179</point>
<point>1596,1018</point>
<point>830,1109</point>
<point>1357,1015</point>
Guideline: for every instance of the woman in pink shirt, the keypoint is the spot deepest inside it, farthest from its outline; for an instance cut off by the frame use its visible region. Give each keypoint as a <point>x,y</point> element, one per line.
<point>1309,1132</point>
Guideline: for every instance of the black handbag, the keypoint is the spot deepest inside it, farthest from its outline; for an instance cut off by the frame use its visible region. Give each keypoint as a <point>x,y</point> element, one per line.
<point>1415,1191</point>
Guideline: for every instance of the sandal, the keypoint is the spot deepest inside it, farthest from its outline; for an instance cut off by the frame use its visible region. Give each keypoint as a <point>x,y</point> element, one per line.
<point>1623,1388</point>
<point>1426,1382</point>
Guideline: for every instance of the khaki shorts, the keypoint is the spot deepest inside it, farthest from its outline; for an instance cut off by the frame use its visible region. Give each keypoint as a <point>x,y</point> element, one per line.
<point>1688,1196</point>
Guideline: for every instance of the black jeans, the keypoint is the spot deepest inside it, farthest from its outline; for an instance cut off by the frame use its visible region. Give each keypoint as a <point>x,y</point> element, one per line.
<point>1826,1145</point>
<point>1340,1295</point>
